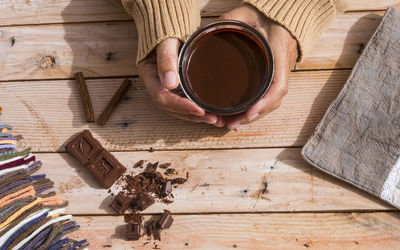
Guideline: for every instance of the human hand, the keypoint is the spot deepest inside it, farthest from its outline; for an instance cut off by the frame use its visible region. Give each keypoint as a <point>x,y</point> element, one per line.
<point>159,71</point>
<point>284,48</point>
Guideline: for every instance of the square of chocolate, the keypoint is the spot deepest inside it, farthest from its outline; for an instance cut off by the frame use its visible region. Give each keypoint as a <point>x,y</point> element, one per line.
<point>106,168</point>
<point>144,202</point>
<point>166,220</point>
<point>84,147</point>
<point>132,231</point>
<point>121,203</point>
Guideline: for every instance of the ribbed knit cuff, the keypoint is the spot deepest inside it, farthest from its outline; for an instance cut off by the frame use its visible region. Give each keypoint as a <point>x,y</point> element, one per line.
<point>304,19</point>
<point>157,20</point>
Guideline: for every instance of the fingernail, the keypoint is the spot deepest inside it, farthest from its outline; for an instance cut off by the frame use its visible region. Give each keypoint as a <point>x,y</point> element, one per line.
<point>237,127</point>
<point>253,116</point>
<point>170,79</point>
<point>211,121</point>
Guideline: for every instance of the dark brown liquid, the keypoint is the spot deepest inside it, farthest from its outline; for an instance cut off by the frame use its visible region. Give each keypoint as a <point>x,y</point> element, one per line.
<point>226,68</point>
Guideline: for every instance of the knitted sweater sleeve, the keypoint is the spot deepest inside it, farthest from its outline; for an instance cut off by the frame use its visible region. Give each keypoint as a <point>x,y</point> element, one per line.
<point>157,20</point>
<point>304,19</point>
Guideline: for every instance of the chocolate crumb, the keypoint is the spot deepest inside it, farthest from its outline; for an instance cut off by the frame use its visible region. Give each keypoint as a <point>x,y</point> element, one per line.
<point>306,245</point>
<point>170,171</point>
<point>178,181</point>
<point>235,246</point>
<point>151,150</point>
<point>151,167</point>
<point>164,165</point>
<point>187,175</point>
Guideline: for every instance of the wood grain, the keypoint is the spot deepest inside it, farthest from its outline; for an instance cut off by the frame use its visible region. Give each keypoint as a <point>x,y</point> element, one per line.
<point>137,124</point>
<point>219,181</point>
<point>109,49</point>
<point>62,11</point>
<point>254,231</point>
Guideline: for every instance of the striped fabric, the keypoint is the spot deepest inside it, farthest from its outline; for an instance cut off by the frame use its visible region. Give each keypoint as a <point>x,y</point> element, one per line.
<point>31,213</point>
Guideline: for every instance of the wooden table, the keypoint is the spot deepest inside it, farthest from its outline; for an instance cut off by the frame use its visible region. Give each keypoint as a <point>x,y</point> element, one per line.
<point>43,43</point>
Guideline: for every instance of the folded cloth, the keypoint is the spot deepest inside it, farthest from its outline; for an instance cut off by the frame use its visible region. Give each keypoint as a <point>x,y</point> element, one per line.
<point>358,139</point>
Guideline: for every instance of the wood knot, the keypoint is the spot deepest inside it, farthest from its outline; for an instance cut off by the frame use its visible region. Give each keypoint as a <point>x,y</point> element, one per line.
<point>12,41</point>
<point>47,62</point>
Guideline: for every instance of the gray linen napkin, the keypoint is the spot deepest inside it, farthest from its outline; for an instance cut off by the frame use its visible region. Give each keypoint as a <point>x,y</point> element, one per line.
<point>358,139</point>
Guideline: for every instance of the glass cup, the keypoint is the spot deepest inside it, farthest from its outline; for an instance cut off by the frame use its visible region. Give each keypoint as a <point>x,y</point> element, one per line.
<point>229,34</point>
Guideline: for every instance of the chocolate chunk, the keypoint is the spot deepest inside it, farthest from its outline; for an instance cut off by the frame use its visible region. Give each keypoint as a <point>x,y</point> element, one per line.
<point>166,220</point>
<point>84,147</point>
<point>132,231</point>
<point>106,168</point>
<point>120,203</point>
<point>178,181</point>
<point>164,165</point>
<point>133,218</point>
<point>151,167</point>
<point>170,171</point>
<point>144,202</point>
<point>167,188</point>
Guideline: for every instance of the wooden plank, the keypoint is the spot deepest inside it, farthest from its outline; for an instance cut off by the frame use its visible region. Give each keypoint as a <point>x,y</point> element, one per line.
<point>254,231</point>
<point>109,49</point>
<point>59,51</point>
<point>343,42</point>
<point>43,11</point>
<point>138,125</point>
<point>219,181</point>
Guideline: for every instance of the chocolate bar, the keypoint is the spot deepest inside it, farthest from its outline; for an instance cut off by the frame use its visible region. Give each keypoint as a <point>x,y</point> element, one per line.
<point>132,231</point>
<point>106,168</point>
<point>120,203</point>
<point>84,147</point>
<point>166,220</point>
<point>100,163</point>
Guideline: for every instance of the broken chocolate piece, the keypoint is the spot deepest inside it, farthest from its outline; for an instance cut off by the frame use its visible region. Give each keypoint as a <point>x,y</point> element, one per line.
<point>144,202</point>
<point>84,147</point>
<point>106,168</point>
<point>133,218</point>
<point>164,165</point>
<point>151,167</point>
<point>170,171</point>
<point>132,231</point>
<point>166,220</point>
<point>167,188</point>
<point>121,203</point>
<point>178,181</point>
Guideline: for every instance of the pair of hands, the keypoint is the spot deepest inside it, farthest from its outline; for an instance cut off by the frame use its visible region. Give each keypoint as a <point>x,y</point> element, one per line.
<point>159,71</point>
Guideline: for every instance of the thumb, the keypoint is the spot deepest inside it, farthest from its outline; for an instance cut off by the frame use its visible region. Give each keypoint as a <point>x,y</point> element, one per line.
<point>167,62</point>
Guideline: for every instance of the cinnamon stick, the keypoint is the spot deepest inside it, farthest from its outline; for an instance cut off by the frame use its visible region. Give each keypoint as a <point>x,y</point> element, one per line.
<point>113,103</point>
<point>87,104</point>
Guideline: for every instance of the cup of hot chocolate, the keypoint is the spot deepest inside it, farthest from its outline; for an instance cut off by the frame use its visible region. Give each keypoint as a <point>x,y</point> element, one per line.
<point>226,67</point>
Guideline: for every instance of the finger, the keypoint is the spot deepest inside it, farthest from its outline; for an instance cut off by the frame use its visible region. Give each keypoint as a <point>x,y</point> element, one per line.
<point>270,101</point>
<point>220,122</point>
<point>167,62</point>
<point>207,118</point>
<point>243,13</point>
<point>167,100</point>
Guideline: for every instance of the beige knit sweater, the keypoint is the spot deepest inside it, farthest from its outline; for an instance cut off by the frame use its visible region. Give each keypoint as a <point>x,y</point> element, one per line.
<point>157,20</point>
